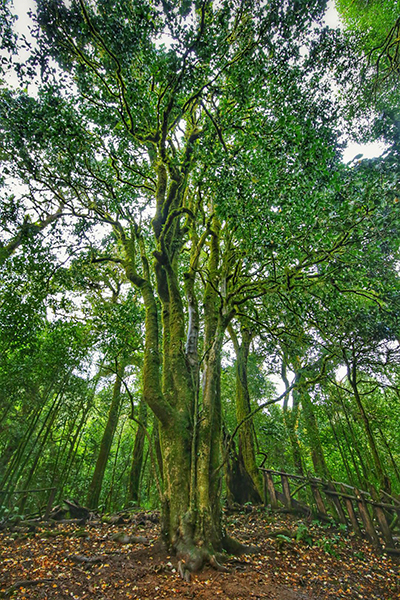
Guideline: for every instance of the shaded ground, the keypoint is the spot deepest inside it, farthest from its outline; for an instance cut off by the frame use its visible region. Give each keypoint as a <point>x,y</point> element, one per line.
<point>299,560</point>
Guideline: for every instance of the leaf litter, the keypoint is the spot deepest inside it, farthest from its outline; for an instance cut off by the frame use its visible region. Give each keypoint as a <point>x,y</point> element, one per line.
<point>298,560</point>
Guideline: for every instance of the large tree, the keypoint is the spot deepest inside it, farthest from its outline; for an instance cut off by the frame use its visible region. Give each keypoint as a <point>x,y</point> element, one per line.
<point>192,145</point>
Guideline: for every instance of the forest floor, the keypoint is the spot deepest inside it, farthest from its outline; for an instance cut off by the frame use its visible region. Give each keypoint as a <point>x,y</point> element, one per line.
<point>298,560</point>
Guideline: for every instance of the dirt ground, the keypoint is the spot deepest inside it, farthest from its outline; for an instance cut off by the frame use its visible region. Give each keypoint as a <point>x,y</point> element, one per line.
<point>298,560</point>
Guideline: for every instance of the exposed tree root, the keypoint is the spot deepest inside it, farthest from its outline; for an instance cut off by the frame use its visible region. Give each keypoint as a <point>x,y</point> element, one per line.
<point>183,572</point>
<point>90,560</point>
<point>124,538</point>
<point>193,557</point>
<point>24,584</point>
<point>217,566</point>
<point>232,546</point>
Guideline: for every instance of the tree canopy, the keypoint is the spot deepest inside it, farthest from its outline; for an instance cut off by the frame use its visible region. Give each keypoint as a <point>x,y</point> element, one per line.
<point>171,182</point>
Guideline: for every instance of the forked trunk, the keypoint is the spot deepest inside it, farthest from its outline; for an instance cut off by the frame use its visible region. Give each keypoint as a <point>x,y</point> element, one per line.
<point>191,513</point>
<point>190,446</point>
<point>188,414</point>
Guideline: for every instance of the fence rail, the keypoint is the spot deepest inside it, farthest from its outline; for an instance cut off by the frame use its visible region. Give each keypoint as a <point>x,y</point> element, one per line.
<point>7,499</point>
<point>373,514</point>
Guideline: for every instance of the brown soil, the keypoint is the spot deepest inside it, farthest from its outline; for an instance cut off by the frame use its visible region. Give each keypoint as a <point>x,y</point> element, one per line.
<point>325,564</point>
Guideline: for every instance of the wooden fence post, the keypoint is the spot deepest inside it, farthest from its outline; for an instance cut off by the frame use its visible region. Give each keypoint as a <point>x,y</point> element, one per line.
<point>350,512</point>
<point>286,491</point>
<point>381,518</point>
<point>369,527</point>
<point>344,500</point>
<point>336,502</point>
<point>271,490</point>
<point>318,499</point>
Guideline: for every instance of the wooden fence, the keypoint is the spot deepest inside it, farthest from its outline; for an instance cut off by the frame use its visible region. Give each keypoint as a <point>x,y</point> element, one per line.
<point>373,514</point>
<point>8,500</point>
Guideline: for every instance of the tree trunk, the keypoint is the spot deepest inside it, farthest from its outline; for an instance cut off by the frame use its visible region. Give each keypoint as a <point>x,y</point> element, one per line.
<point>392,459</point>
<point>96,483</point>
<point>382,477</point>
<point>188,415</point>
<point>61,478</point>
<point>317,453</point>
<point>14,463</point>
<point>108,502</point>
<point>353,447</point>
<point>291,418</point>
<point>250,488</point>
<point>239,486</point>
<point>21,458</point>
<point>39,447</point>
<point>137,456</point>
<point>340,447</point>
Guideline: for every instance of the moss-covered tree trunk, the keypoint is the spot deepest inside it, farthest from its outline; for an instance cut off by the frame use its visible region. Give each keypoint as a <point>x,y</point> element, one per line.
<point>96,482</point>
<point>247,464</point>
<point>313,435</point>
<point>181,369</point>
<point>191,442</point>
<point>291,417</point>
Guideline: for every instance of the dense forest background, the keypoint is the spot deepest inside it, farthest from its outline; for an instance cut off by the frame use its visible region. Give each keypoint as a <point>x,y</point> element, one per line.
<point>185,256</point>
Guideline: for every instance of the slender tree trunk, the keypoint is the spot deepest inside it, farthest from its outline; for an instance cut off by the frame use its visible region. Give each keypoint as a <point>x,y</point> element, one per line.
<point>353,447</point>
<point>352,378</point>
<point>340,448</point>
<point>17,468</point>
<point>111,492</point>
<point>39,448</point>
<point>61,448</point>
<point>291,418</point>
<point>317,452</point>
<point>60,479</point>
<point>137,456</point>
<point>392,459</point>
<point>96,483</point>
<point>16,458</point>
<point>78,480</point>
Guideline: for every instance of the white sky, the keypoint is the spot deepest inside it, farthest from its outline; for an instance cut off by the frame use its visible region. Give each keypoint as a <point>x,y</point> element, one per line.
<point>367,150</point>
<point>21,8</point>
<point>331,16</point>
